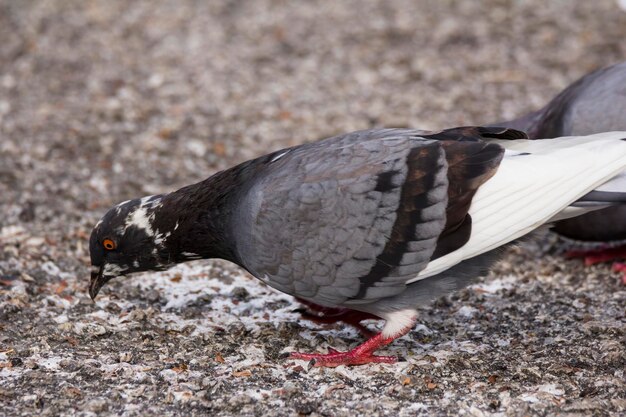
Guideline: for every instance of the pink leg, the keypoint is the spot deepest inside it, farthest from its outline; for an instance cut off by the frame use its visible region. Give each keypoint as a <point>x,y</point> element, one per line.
<point>360,355</point>
<point>330,315</point>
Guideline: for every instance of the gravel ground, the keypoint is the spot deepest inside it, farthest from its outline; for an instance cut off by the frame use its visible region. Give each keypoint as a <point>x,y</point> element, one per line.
<point>104,101</point>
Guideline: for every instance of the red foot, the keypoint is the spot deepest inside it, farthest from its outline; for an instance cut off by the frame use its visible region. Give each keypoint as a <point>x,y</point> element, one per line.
<point>330,315</point>
<point>593,257</point>
<point>360,355</point>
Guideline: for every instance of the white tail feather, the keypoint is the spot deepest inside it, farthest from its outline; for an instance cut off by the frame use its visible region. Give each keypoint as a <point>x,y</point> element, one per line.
<point>536,181</point>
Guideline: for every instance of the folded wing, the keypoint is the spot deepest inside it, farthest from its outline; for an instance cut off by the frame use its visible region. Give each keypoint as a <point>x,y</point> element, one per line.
<point>352,219</point>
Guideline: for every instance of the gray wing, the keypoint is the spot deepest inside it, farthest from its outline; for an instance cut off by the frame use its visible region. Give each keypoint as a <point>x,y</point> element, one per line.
<point>349,218</point>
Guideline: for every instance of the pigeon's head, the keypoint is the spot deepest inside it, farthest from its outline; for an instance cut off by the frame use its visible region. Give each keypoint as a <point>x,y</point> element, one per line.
<point>126,240</point>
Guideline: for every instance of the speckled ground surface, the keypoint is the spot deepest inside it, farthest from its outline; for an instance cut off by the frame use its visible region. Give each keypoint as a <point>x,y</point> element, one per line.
<point>103,101</point>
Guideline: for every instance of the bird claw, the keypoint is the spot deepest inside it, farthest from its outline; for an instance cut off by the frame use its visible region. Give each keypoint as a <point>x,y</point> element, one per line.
<point>362,354</point>
<point>336,358</point>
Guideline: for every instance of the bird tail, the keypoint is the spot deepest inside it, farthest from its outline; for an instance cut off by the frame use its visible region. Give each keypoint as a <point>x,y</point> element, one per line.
<point>611,192</point>
<point>538,181</point>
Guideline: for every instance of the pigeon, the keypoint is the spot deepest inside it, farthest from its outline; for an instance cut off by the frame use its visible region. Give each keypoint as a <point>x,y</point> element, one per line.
<point>593,104</point>
<point>372,223</point>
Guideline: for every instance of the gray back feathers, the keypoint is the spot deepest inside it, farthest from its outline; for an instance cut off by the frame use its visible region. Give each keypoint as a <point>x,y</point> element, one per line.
<point>349,220</point>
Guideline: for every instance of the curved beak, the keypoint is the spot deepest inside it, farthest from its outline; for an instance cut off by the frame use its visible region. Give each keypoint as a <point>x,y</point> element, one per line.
<point>97,281</point>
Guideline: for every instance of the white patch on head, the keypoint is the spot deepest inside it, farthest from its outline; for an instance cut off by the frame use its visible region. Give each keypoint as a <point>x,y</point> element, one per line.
<point>139,219</point>
<point>280,155</point>
<point>398,322</point>
<point>136,264</point>
<point>113,269</point>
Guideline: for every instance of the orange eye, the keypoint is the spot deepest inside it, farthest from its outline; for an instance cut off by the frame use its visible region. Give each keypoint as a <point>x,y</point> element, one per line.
<point>108,244</point>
